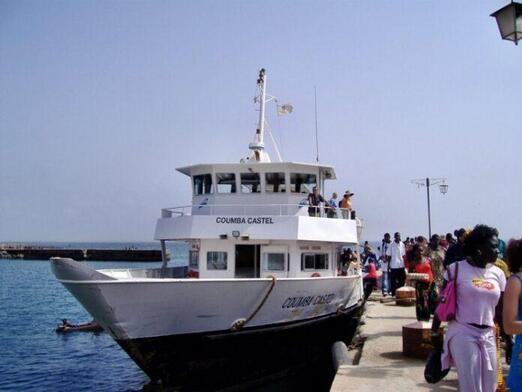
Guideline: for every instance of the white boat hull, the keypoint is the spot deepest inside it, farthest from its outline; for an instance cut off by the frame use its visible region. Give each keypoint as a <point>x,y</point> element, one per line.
<point>191,332</point>
<point>138,308</point>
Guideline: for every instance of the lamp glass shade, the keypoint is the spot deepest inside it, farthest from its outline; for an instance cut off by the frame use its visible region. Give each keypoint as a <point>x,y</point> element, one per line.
<point>509,21</point>
<point>443,188</point>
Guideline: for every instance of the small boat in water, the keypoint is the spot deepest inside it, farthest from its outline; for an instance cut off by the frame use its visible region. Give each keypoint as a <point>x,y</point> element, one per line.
<point>264,290</point>
<point>66,327</point>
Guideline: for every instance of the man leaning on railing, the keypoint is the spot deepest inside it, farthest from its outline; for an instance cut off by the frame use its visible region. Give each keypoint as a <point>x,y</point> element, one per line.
<point>314,202</point>
<point>331,207</point>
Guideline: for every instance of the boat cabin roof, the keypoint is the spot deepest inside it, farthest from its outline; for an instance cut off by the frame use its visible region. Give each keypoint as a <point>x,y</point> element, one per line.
<point>327,171</point>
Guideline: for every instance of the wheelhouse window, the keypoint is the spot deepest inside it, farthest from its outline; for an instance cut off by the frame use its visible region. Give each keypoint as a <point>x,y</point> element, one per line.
<point>226,182</point>
<point>250,183</point>
<point>314,261</point>
<point>275,182</point>
<point>274,261</point>
<point>202,184</point>
<point>302,183</point>
<point>216,260</point>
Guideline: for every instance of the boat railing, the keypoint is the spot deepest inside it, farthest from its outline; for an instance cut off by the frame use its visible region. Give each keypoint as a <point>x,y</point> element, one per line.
<point>259,209</point>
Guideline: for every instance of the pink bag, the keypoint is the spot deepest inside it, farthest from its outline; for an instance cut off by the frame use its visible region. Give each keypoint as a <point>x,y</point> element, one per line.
<point>447,308</point>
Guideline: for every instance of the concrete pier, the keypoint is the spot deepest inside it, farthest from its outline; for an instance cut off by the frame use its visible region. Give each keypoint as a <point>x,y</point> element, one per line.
<point>382,366</point>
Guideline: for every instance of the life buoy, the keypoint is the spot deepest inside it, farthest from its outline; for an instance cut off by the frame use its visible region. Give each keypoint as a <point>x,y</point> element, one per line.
<point>316,275</point>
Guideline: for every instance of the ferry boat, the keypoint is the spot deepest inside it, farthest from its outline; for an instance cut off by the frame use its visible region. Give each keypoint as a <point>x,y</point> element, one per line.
<point>264,290</point>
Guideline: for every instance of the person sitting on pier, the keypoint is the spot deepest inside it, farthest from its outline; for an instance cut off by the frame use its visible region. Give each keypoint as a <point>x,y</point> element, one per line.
<point>314,202</point>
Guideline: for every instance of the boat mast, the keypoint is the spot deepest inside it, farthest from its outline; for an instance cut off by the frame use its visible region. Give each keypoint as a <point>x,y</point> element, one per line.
<point>258,145</point>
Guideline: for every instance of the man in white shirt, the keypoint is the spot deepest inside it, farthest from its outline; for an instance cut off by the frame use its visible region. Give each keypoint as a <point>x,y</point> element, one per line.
<point>396,252</point>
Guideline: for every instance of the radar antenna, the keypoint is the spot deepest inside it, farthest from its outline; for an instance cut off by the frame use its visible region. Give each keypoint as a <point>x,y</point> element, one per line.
<point>258,145</point>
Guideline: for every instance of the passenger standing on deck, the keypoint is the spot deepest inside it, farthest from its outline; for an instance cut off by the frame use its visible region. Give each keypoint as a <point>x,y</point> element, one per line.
<point>346,204</point>
<point>396,252</point>
<point>512,312</point>
<point>470,342</point>
<point>331,211</point>
<point>385,264</point>
<point>314,202</point>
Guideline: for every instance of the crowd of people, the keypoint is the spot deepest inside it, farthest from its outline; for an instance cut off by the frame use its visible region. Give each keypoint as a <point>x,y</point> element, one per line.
<point>488,280</point>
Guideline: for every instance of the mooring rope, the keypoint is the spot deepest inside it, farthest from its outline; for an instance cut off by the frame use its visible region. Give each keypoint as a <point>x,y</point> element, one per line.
<point>239,324</point>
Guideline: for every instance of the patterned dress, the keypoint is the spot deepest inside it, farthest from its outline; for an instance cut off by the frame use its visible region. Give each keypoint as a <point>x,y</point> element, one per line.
<point>437,261</point>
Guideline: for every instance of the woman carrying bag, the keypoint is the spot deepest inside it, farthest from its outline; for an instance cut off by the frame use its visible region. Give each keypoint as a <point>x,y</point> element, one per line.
<point>470,343</point>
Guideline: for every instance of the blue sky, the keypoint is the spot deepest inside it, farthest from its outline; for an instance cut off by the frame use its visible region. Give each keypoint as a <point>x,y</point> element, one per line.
<point>100,101</point>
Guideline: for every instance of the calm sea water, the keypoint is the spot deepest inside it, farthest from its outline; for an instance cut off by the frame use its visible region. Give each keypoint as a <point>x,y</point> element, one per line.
<point>35,358</point>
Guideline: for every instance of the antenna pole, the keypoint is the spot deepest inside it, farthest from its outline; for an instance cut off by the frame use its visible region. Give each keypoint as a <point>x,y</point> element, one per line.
<point>262,102</point>
<point>316,129</point>
<point>258,145</point>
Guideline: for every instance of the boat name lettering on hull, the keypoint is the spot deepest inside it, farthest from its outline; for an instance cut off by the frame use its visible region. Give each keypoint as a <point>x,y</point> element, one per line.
<point>300,302</point>
<point>251,220</point>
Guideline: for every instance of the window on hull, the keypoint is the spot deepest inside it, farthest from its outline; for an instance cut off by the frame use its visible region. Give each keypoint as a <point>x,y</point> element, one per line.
<point>202,184</point>
<point>216,260</point>
<point>275,182</point>
<point>302,183</point>
<point>314,261</point>
<point>250,183</point>
<point>226,182</point>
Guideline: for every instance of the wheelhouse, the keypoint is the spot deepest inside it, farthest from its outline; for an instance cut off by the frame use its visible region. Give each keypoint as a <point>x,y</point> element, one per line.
<point>250,220</point>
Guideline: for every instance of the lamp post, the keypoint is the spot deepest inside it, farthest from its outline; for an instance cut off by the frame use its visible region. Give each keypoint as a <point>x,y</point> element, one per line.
<point>509,21</point>
<point>427,182</point>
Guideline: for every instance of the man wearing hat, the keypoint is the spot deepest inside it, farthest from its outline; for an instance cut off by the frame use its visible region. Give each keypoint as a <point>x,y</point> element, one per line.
<point>346,204</point>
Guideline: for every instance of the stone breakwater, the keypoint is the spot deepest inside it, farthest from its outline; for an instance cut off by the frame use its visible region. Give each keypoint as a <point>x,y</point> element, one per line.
<point>29,253</point>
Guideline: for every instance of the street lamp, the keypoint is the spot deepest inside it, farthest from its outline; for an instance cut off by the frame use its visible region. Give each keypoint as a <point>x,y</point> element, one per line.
<point>509,20</point>
<point>427,182</point>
